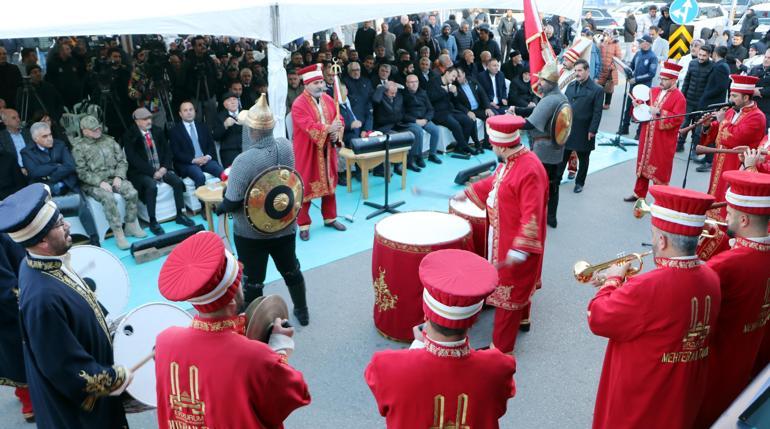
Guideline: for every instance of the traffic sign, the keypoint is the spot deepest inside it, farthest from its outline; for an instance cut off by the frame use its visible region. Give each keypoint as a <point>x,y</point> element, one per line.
<point>679,41</point>
<point>684,11</point>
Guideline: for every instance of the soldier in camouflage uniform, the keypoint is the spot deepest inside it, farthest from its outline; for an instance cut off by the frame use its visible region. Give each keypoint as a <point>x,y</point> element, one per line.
<point>101,167</point>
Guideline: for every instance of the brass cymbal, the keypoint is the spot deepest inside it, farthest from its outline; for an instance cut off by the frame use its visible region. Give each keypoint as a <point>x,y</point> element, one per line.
<point>261,314</point>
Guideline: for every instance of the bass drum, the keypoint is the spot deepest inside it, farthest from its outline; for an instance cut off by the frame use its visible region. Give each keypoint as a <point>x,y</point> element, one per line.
<point>108,274</point>
<point>134,339</point>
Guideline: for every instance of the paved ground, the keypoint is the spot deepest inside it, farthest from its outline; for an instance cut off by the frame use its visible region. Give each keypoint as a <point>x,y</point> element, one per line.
<point>559,361</point>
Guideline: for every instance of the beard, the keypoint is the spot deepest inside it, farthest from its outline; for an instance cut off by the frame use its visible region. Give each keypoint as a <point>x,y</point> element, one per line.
<point>730,232</point>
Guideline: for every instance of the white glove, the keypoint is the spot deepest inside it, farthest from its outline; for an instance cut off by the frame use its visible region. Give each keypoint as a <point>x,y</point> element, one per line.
<point>515,257</point>
<point>281,344</point>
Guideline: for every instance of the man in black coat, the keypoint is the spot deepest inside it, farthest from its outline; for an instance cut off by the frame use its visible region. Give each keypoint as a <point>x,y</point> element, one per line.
<point>520,93</point>
<point>442,93</point>
<point>10,79</point>
<point>388,106</point>
<point>149,162</point>
<point>424,72</point>
<point>67,74</point>
<point>762,93</point>
<point>41,96</point>
<point>228,132</point>
<point>586,99</point>
<point>486,42</point>
<point>749,26</point>
<point>364,39</point>
<point>192,147</point>
<point>513,67</point>
<point>426,39</point>
<point>13,139</point>
<point>359,97</point>
<point>717,87</point>
<point>418,113</point>
<point>693,87</point>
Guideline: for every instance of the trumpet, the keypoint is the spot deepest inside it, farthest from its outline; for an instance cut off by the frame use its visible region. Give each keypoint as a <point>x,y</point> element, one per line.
<point>585,271</point>
<point>641,208</point>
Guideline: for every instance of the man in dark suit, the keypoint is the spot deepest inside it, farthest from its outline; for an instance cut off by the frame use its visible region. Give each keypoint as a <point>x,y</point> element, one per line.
<point>418,113</point>
<point>442,93</point>
<point>493,83</point>
<point>49,161</point>
<point>520,93</point>
<point>359,97</point>
<point>382,76</point>
<point>192,147</point>
<point>586,99</point>
<point>12,140</point>
<point>472,100</point>
<point>149,162</point>
<point>389,115</point>
<point>717,87</point>
<point>228,131</point>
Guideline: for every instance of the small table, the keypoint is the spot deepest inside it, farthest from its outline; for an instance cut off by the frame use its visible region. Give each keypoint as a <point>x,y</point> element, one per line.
<point>367,161</point>
<point>211,195</point>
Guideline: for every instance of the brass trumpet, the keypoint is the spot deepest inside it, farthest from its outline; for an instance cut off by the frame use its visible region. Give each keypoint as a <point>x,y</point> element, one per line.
<point>641,208</point>
<point>585,271</point>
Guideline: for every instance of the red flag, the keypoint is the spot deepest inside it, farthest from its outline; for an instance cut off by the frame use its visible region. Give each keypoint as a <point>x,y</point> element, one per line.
<point>536,39</point>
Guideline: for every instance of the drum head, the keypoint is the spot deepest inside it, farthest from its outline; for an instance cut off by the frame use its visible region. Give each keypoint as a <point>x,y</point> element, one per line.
<point>423,228</point>
<point>135,338</point>
<point>107,272</point>
<point>641,92</point>
<point>642,113</point>
<point>468,208</point>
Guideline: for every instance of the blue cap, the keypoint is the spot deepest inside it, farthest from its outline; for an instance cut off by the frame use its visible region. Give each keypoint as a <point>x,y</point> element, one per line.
<point>29,214</point>
<point>645,38</point>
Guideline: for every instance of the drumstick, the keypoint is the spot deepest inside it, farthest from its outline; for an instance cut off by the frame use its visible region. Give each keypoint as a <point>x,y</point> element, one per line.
<point>416,190</point>
<point>144,360</point>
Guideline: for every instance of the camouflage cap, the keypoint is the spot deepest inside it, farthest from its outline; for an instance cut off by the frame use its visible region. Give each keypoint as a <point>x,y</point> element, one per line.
<point>89,122</point>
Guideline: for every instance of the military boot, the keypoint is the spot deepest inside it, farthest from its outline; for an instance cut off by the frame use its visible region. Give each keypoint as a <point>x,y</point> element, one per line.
<point>120,238</point>
<point>134,230</point>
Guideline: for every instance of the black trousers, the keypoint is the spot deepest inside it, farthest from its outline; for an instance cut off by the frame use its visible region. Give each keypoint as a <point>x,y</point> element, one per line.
<point>583,160</point>
<point>696,133</point>
<point>461,126</point>
<point>253,254</point>
<point>554,179</point>
<point>148,191</point>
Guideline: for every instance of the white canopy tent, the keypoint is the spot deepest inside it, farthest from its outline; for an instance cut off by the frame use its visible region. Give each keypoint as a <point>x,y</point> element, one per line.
<point>277,21</point>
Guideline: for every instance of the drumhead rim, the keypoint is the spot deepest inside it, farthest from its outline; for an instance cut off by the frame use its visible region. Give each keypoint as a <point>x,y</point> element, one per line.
<point>460,220</point>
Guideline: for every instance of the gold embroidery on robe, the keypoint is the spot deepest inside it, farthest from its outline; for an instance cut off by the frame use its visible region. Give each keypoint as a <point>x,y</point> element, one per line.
<point>460,418</point>
<point>694,342</point>
<point>383,298</point>
<point>182,401</point>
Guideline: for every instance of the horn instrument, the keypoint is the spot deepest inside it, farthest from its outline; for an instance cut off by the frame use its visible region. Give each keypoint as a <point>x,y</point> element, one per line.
<point>584,271</point>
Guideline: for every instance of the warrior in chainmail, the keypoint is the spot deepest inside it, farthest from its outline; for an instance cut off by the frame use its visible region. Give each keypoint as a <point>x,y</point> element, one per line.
<point>260,152</point>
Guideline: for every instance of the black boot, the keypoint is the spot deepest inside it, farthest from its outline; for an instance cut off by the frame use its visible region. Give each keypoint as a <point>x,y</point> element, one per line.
<point>296,284</point>
<point>252,291</point>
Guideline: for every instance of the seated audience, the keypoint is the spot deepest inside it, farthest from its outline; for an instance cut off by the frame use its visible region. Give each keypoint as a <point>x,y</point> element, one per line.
<point>228,131</point>
<point>418,113</point>
<point>192,147</point>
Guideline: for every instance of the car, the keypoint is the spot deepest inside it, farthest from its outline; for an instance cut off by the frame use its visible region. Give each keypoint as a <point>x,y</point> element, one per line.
<point>710,15</point>
<point>741,6</point>
<point>603,19</point>
<point>763,13</point>
<point>638,8</point>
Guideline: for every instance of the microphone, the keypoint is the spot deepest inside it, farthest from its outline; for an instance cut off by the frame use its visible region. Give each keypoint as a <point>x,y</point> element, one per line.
<point>718,106</point>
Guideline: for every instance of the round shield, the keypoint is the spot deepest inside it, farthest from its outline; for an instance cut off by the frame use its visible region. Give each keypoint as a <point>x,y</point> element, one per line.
<point>641,92</point>
<point>273,199</point>
<point>261,314</point>
<point>642,113</point>
<point>561,123</point>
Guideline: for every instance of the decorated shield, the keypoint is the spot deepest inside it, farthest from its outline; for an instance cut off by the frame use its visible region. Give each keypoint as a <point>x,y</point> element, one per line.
<point>561,123</point>
<point>261,314</point>
<point>273,199</point>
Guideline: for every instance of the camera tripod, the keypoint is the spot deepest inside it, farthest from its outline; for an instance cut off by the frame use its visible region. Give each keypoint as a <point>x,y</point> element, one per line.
<point>29,91</point>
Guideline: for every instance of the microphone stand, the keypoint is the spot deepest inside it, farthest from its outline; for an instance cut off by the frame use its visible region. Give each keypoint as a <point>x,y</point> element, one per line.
<point>385,208</point>
<point>617,141</point>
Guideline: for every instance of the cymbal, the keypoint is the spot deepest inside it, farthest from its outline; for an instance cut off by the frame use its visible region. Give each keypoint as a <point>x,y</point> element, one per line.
<point>261,314</point>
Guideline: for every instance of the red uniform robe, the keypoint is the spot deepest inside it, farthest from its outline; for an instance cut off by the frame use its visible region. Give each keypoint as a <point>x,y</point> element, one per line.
<point>657,139</point>
<point>456,386</point>
<point>516,215</point>
<point>747,129</point>
<point>314,155</point>
<point>744,272</point>
<point>658,323</point>
<point>210,375</point>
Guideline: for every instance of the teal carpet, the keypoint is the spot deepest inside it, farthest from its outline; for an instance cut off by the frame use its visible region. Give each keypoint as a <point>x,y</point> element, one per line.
<point>328,245</point>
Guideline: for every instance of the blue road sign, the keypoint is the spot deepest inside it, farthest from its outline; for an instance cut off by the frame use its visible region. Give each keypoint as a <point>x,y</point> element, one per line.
<point>684,11</point>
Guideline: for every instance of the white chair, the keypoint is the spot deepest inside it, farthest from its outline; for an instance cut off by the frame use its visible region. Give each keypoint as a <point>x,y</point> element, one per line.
<point>165,208</point>
<point>190,200</point>
<point>102,226</point>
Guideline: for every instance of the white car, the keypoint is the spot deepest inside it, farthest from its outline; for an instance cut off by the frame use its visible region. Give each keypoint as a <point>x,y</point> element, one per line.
<point>763,13</point>
<point>710,15</point>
